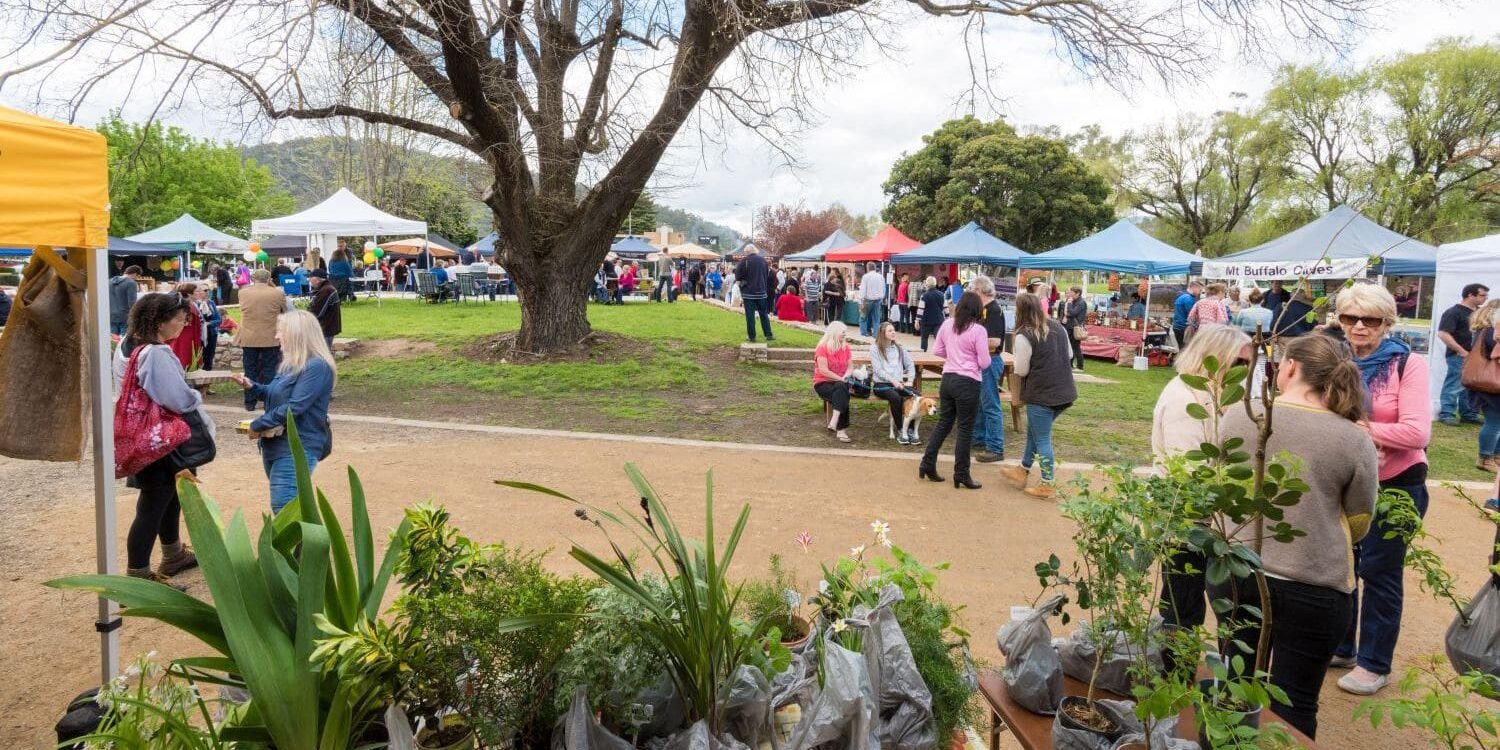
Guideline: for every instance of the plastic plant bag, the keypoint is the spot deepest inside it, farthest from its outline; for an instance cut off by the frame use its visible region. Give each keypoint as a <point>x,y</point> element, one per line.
<point>842,713</point>
<point>1066,737</point>
<point>1163,737</point>
<point>746,701</point>
<point>665,712</point>
<point>1476,644</point>
<point>1033,671</point>
<point>578,730</point>
<point>1078,657</point>
<point>697,737</point>
<point>906,721</point>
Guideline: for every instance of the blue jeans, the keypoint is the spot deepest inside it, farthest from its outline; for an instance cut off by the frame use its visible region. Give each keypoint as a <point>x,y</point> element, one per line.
<point>260,366</point>
<point>869,322</point>
<point>1379,566</point>
<point>117,329</point>
<point>989,426</point>
<point>1039,421</point>
<point>1455,397</point>
<point>1489,432</point>
<point>762,306</point>
<point>282,473</point>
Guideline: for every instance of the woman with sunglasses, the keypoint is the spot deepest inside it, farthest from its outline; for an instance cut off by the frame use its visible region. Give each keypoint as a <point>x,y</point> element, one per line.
<point>1400,423</point>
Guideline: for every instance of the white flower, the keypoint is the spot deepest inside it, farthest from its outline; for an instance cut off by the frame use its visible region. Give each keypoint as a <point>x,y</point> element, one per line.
<point>840,626</point>
<point>823,587</point>
<point>882,532</point>
<point>858,551</point>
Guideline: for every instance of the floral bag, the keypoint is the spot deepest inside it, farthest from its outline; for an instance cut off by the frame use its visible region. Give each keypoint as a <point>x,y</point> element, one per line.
<point>145,431</point>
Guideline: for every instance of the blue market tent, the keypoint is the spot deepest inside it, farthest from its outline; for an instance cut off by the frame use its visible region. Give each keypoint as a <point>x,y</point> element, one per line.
<point>967,244</point>
<point>486,244</point>
<point>1346,233</point>
<point>117,246</point>
<point>836,241</point>
<point>1122,248</point>
<point>634,247</point>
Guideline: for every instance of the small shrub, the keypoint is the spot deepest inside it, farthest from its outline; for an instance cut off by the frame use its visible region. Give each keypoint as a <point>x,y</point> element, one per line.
<point>614,658</point>
<point>775,601</point>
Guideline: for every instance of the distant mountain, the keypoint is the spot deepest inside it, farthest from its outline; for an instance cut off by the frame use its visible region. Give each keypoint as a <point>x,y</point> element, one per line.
<point>311,169</point>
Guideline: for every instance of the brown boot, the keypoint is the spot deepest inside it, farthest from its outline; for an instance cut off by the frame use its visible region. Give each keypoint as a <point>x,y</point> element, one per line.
<point>176,558</point>
<point>1489,463</point>
<point>152,575</point>
<point>1042,491</point>
<point>1017,474</point>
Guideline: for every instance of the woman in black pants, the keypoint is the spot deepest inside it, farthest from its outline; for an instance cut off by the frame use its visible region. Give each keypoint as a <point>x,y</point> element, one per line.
<point>1075,314</point>
<point>965,348</point>
<point>830,374</point>
<point>930,310</point>
<point>154,320</point>
<point>833,297</point>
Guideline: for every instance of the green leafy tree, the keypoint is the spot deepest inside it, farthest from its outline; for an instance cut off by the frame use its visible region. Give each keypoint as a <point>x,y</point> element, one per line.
<point>642,216</point>
<point>157,173</point>
<point>443,206</point>
<point>1030,190</point>
<point>1326,118</point>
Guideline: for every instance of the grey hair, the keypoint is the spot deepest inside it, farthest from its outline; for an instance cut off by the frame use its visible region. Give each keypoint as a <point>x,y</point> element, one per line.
<point>983,285</point>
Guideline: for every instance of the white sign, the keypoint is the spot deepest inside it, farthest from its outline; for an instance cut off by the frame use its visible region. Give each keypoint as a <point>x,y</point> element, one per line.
<point>1337,268</point>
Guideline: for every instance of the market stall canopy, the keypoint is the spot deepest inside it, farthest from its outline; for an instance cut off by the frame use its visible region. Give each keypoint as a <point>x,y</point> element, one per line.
<point>887,242</point>
<point>967,244</point>
<point>689,251</point>
<point>1343,238</point>
<point>485,245</point>
<point>836,241</point>
<point>55,186</point>
<point>187,233</point>
<point>285,245</point>
<point>117,247</point>
<point>1458,265</point>
<point>414,246</point>
<point>633,247</point>
<point>1122,247</point>
<point>343,213</point>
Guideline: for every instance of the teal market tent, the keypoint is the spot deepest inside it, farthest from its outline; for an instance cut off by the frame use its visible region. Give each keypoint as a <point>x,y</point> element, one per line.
<point>967,244</point>
<point>1344,233</point>
<point>1122,247</point>
<point>117,247</point>
<point>634,247</point>
<point>836,241</point>
<point>187,233</point>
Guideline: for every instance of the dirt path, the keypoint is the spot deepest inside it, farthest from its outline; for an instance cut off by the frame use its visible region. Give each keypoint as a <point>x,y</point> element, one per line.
<point>992,537</point>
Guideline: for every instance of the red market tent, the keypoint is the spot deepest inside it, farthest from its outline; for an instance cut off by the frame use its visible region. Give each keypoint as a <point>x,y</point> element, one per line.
<point>886,243</point>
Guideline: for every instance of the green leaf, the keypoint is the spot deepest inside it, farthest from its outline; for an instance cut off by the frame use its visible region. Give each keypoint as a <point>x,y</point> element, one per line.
<point>1196,411</point>
<point>344,598</point>
<point>143,598</point>
<point>364,539</point>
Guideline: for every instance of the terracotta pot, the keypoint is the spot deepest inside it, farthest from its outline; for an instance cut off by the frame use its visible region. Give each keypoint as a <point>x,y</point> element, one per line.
<point>806,634</point>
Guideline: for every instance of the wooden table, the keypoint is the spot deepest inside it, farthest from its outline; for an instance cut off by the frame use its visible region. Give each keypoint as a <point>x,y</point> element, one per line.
<point>1034,731</point>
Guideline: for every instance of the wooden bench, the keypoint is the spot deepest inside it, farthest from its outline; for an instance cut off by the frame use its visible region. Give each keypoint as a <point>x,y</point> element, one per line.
<point>1033,731</point>
<point>927,363</point>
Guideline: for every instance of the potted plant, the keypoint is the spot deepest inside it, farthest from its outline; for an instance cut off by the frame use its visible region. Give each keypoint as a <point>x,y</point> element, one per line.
<point>775,601</point>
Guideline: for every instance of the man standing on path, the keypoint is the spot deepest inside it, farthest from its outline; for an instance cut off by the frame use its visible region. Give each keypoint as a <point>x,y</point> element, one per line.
<point>754,279</point>
<point>122,293</point>
<point>1453,331</point>
<point>989,426</point>
<point>812,294</point>
<point>1180,310</point>
<point>260,304</point>
<point>871,299</point>
<point>325,306</point>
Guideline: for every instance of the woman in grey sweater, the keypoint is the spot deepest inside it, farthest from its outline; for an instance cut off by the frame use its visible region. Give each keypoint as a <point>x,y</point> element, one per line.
<point>1310,579</point>
<point>156,319</point>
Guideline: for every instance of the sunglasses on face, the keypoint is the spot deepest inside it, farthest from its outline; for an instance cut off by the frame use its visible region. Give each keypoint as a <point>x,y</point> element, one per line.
<point>1348,321</point>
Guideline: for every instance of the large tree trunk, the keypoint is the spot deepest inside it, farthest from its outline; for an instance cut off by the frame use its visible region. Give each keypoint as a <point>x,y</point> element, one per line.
<point>554,291</point>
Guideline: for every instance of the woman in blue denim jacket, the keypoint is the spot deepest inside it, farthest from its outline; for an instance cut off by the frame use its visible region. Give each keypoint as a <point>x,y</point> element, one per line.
<point>303,387</point>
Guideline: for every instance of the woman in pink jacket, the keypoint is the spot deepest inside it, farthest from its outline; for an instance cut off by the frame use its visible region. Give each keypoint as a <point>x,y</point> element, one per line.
<point>965,349</point>
<point>1400,423</point>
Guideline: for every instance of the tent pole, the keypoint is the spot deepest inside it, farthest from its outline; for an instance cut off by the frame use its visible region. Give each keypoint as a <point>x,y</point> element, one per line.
<point>1417,312</point>
<point>1146,319</point>
<point>101,400</point>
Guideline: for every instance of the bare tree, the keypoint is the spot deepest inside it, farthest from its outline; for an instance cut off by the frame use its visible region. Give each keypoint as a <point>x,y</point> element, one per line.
<point>554,93</point>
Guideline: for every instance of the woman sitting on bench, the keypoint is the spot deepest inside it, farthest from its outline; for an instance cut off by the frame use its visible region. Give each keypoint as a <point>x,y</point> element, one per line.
<point>830,369</point>
<point>891,372</point>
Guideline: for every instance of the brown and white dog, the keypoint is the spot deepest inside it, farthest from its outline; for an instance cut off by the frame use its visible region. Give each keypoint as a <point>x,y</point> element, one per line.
<point>913,408</point>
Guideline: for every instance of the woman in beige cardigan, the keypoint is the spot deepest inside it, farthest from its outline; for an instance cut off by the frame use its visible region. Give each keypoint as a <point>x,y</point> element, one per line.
<point>1173,432</point>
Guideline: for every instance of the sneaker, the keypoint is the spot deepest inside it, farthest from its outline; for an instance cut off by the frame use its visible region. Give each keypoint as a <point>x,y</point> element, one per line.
<point>1017,474</point>
<point>902,439</point>
<point>1361,681</point>
<point>1473,419</point>
<point>914,438</point>
<point>989,457</point>
<point>1343,662</point>
<point>1450,421</point>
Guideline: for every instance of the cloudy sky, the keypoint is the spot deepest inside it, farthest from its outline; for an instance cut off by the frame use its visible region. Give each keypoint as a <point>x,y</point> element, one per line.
<point>884,109</point>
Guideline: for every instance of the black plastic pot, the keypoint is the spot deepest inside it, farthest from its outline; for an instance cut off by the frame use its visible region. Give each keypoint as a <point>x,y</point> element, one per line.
<point>1210,687</point>
<point>1067,722</point>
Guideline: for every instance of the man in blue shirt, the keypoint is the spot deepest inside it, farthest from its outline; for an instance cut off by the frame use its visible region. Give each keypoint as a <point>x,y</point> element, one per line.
<point>440,279</point>
<point>1137,307</point>
<point>1180,310</point>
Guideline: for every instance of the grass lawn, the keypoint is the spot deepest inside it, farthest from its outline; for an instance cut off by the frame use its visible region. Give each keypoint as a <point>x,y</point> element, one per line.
<point>677,375</point>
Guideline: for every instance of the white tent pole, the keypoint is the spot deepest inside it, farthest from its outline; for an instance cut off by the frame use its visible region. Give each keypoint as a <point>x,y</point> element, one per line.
<point>1417,312</point>
<point>101,401</point>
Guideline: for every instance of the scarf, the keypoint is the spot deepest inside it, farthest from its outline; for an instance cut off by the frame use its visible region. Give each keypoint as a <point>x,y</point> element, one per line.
<point>1376,368</point>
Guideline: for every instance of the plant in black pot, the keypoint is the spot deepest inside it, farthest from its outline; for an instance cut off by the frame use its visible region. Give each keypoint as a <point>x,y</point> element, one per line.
<point>776,601</point>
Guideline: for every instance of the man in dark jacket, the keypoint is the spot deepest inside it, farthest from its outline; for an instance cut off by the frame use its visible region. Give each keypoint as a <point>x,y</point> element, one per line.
<point>325,306</point>
<point>754,278</point>
<point>122,294</point>
<point>4,307</point>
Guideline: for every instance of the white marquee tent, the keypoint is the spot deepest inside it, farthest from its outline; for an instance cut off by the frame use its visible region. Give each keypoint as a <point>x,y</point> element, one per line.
<point>1459,264</point>
<point>343,214</point>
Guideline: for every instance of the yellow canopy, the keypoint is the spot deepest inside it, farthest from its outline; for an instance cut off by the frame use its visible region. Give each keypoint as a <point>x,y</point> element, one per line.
<point>54,183</point>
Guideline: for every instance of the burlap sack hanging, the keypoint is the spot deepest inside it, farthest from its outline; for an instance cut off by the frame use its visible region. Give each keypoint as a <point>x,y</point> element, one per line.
<point>42,364</point>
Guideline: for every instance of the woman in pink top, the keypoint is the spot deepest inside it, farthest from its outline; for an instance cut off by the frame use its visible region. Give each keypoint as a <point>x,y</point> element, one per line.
<point>830,372</point>
<point>1400,423</point>
<point>965,349</point>
<point>1209,311</point>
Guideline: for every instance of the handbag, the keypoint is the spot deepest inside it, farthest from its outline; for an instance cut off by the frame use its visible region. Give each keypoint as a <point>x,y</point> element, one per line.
<point>1080,332</point>
<point>1480,373</point>
<point>199,448</point>
<point>145,431</point>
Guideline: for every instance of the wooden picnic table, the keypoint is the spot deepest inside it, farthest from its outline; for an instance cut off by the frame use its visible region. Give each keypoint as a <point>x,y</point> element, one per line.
<point>928,363</point>
<point>1033,731</point>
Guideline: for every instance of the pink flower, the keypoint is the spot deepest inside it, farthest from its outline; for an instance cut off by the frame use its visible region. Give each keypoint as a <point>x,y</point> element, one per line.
<point>805,539</point>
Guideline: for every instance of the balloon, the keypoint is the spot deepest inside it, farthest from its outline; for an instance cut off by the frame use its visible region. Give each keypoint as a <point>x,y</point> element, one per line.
<point>166,265</point>
<point>379,253</point>
<point>198,265</point>
<point>262,256</point>
<point>369,258</point>
<point>369,245</point>
<point>255,247</point>
<point>250,255</point>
